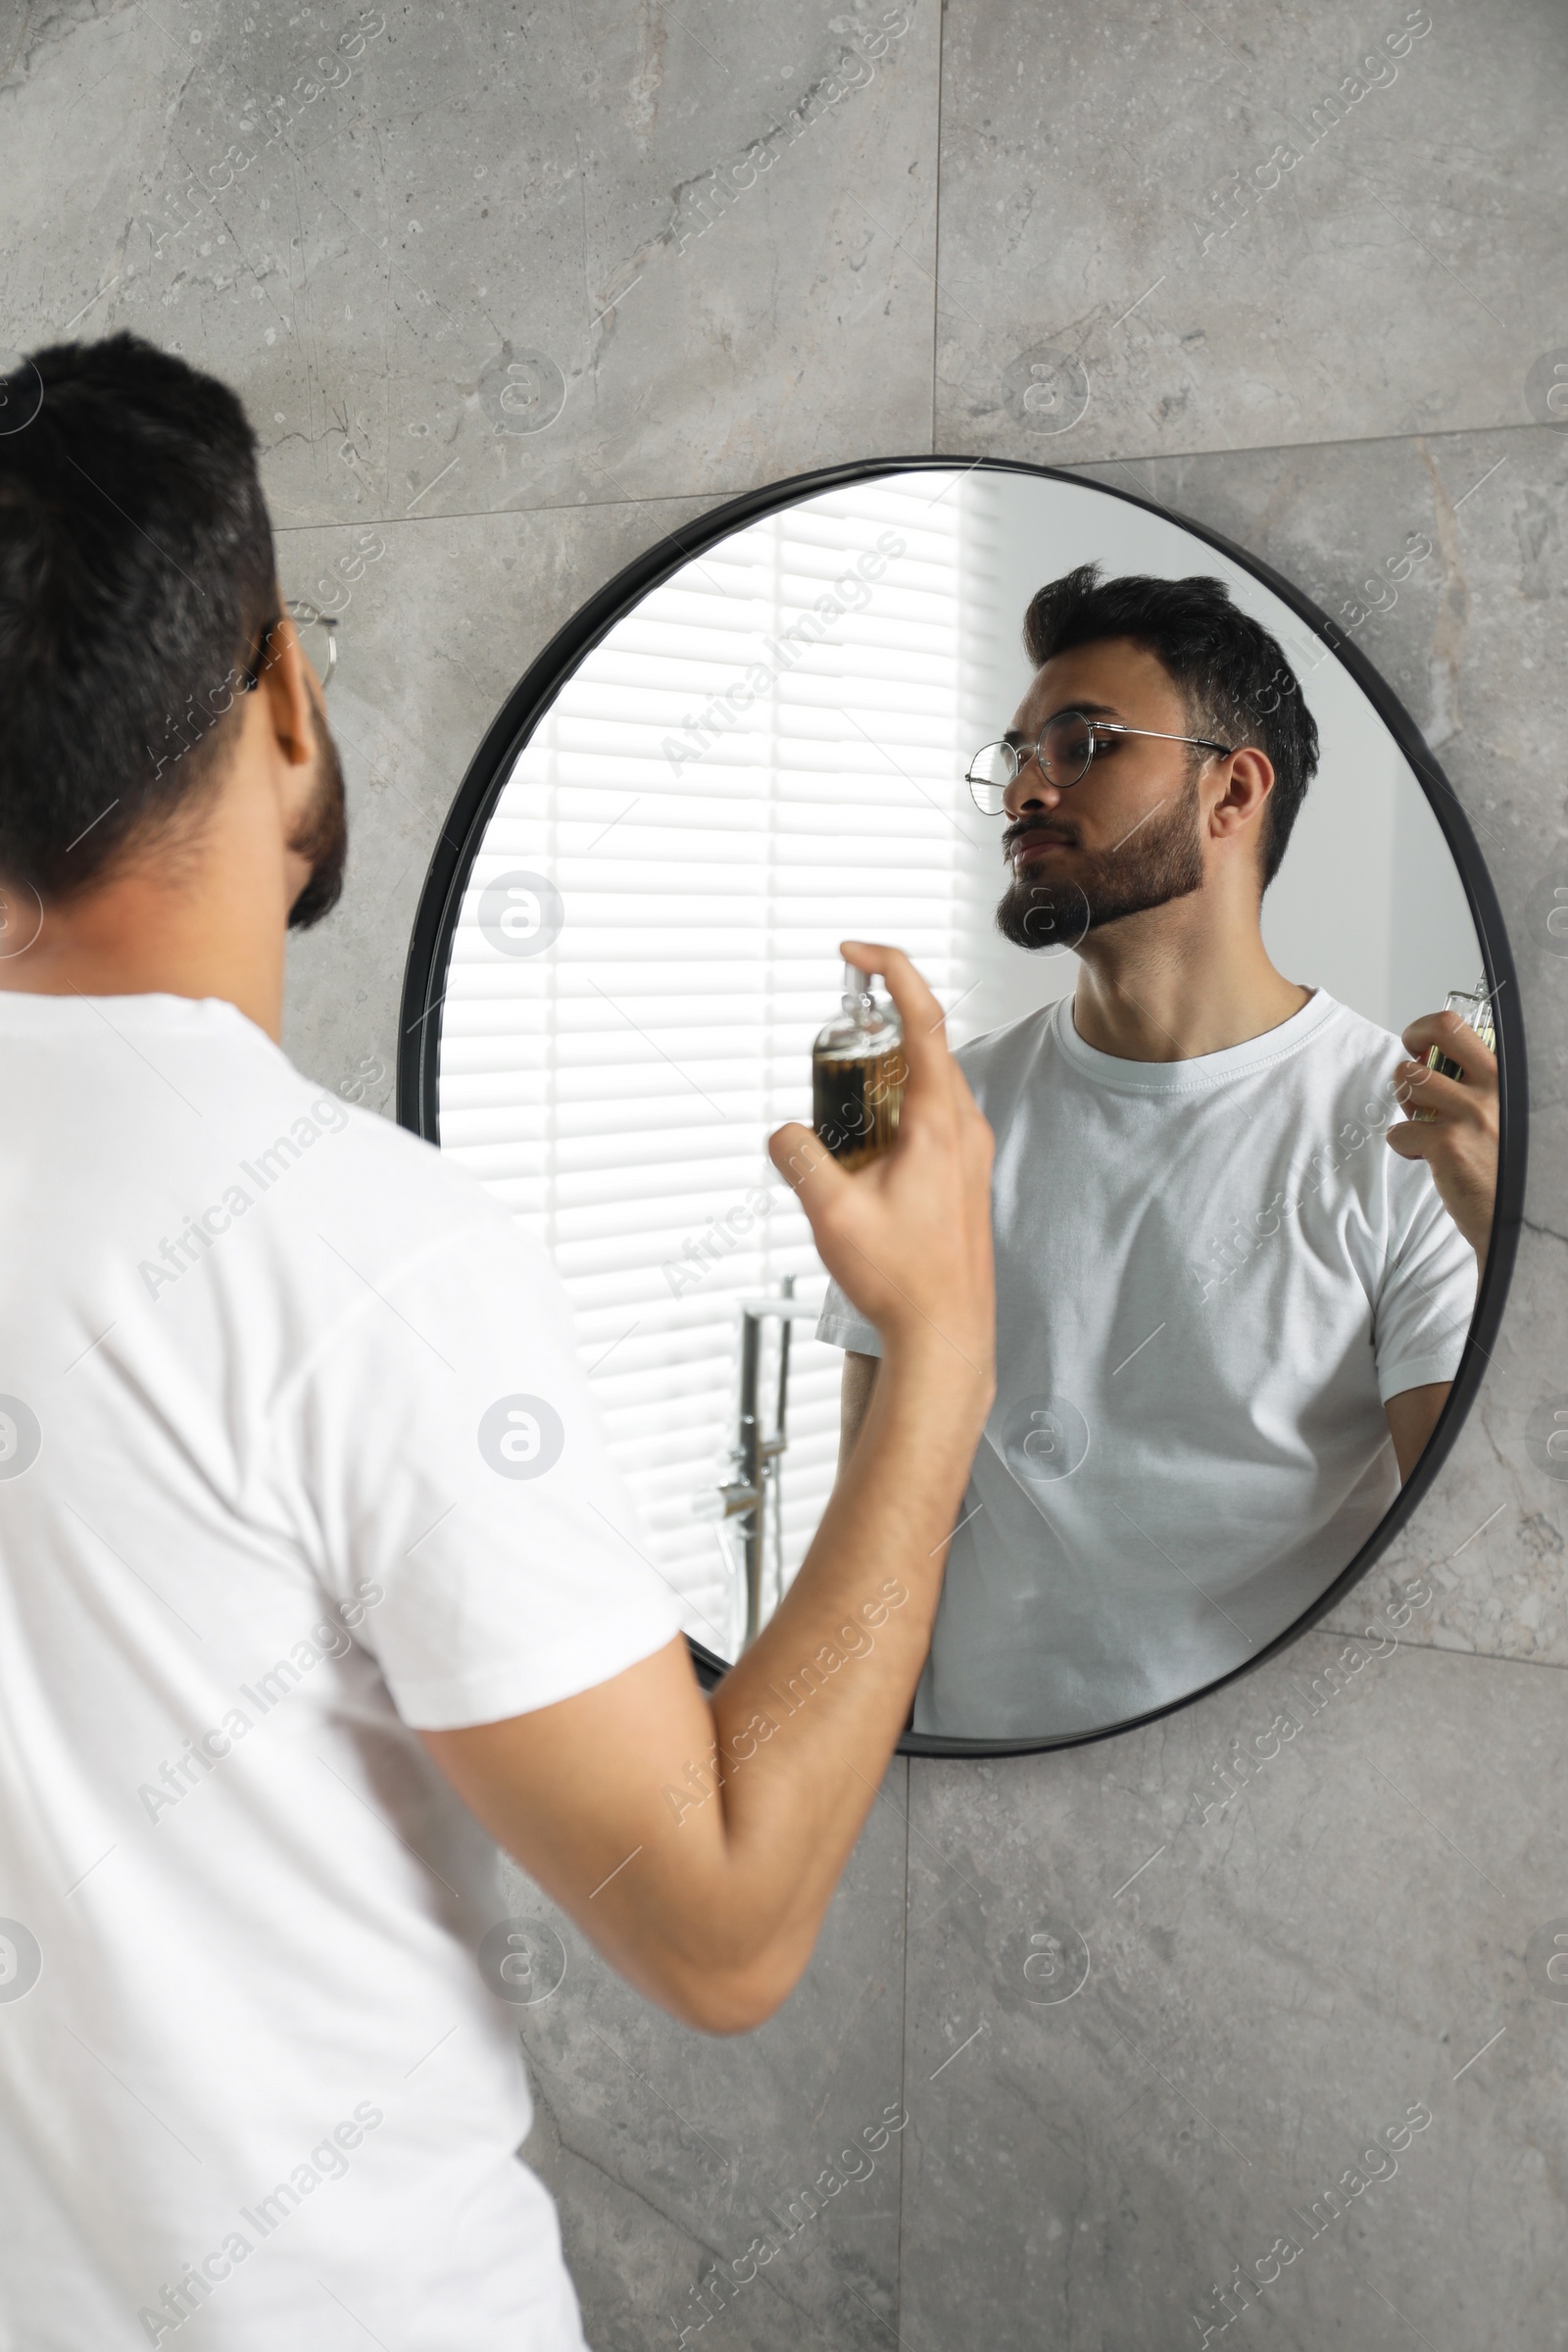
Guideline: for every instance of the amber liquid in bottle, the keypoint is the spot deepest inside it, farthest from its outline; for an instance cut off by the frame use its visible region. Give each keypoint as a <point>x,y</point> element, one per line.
<point>857,1076</point>
<point>1474,1006</point>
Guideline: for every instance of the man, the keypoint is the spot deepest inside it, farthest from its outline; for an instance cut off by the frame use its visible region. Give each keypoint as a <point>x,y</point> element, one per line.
<point>308,1539</point>
<point>1230,1298</point>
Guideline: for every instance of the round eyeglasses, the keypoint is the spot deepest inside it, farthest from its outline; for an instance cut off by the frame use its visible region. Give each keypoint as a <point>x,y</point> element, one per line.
<point>1066,747</point>
<point>318,635</point>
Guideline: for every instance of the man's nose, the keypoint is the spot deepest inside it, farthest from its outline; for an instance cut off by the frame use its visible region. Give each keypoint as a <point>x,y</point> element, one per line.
<point>1031,788</point>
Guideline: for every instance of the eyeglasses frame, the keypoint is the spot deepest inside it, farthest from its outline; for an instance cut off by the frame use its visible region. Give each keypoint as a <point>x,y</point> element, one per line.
<point>299,610</point>
<point>1096,726</point>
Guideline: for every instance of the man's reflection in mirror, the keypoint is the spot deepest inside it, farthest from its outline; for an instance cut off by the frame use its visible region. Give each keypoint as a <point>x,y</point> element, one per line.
<point>1235,1271</point>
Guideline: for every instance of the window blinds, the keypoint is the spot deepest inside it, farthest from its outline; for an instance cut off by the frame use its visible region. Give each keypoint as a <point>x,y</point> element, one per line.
<point>760,759</point>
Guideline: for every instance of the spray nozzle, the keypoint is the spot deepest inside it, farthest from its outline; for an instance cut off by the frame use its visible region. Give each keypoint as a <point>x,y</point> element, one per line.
<point>858,998</point>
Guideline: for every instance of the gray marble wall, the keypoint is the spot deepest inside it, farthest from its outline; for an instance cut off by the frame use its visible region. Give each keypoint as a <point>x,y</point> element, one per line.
<point>1313,302</point>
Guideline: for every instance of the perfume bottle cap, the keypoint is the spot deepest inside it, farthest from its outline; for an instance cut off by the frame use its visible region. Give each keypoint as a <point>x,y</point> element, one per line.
<point>856,989</point>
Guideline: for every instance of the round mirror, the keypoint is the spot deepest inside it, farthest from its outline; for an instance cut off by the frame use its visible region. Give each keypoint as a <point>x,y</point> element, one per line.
<point>1236,1329</point>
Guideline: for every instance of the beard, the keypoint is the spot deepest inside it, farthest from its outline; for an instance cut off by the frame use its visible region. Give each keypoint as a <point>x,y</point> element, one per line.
<point>323,838</point>
<point>1161,859</point>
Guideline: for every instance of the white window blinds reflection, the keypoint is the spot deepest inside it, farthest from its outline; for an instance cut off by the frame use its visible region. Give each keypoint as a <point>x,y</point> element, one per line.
<point>615,1088</point>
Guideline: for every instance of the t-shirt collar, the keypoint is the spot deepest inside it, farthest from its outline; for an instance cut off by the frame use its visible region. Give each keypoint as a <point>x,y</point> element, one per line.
<point>27,1012</point>
<point>1201,1070</point>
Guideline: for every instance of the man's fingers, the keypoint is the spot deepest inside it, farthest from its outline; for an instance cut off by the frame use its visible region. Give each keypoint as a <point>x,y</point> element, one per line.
<point>924,1043</point>
<point>1455,1038</point>
<point>1418,1088</point>
<point>1410,1138</point>
<point>806,1165</point>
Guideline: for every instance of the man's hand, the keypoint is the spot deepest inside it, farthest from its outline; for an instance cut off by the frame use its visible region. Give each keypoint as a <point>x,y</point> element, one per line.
<point>698,1840</point>
<point>1451,1122</point>
<point>888,1234</point>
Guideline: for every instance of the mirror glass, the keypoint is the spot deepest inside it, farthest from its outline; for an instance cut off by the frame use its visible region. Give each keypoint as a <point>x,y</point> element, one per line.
<point>1204,1289</point>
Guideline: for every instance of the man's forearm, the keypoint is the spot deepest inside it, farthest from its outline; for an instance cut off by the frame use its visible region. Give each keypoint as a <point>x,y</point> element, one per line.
<point>807,1719</point>
<point>855,1400</point>
<point>698,1839</point>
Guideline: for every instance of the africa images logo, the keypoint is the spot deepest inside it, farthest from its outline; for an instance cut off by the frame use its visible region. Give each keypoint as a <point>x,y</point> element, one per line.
<point>21,1437</point>
<point>20,1960</point>
<point>521,1436</point>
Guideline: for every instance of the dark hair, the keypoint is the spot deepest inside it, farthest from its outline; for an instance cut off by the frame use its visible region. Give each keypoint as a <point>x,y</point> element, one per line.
<point>1237,684</point>
<point>136,577</point>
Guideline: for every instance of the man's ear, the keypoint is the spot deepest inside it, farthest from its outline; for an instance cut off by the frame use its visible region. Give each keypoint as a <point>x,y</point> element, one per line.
<point>1248,781</point>
<point>283,679</point>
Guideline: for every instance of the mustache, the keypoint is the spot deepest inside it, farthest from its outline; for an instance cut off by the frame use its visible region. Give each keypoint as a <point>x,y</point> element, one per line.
<point>1037,831</point>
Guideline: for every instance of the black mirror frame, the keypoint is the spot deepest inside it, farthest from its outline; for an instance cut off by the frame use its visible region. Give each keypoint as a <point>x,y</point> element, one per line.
<point>430,943</point>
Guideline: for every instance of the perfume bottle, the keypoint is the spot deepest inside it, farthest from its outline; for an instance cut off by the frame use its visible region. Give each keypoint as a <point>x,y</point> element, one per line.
<point>1474,1006</point>
<point>859,1074</point>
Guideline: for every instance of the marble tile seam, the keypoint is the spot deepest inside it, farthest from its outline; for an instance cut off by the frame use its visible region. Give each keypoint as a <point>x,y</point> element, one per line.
<point>1278,1663</point>
<point>1402,1643</point>
<point>1285,449</point>
<point>587,505</point>
<point>1441,1649</point>
<point>1086,466</point>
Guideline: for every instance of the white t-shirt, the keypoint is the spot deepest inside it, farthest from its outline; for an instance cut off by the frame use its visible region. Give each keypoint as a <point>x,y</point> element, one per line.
<point>295,1452</point>
<point>1210,1274</point>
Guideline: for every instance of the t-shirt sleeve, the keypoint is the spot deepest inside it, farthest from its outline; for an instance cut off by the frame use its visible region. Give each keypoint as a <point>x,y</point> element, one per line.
<point>1421,1316</point>
<point>453,1480</point>
<point>841,1325</point>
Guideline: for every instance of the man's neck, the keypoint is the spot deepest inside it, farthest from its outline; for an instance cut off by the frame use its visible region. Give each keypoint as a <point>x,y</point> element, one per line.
<point>1179,981</point>
<point>148,951</point>
<point>201,907</point>
<point>220,934</point>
